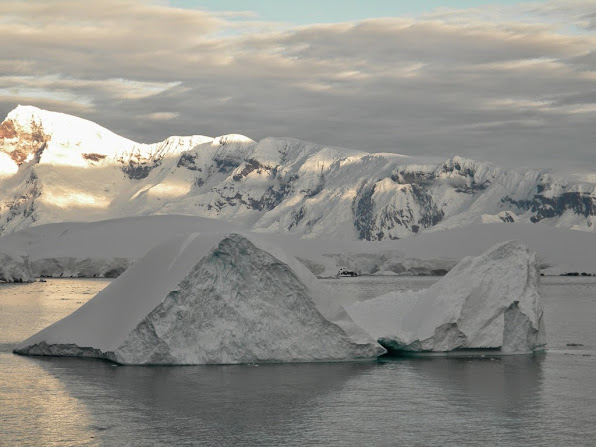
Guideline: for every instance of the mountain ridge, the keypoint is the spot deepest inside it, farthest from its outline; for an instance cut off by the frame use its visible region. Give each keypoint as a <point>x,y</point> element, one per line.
<point>55,167</point>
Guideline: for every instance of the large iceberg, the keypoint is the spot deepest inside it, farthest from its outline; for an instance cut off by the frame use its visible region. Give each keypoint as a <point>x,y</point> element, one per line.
<point>209,299</point>
<point>488,301</point>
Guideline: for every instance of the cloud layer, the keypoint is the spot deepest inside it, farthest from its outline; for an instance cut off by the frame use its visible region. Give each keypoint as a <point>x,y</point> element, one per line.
<point>513,85</point>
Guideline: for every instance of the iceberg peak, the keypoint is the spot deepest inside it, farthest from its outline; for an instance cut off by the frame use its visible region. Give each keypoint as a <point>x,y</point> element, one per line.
<point>190,302</point>
<point>489,301</point>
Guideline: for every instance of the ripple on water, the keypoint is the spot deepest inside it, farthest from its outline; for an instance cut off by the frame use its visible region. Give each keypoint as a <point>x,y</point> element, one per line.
<point>515,400</point>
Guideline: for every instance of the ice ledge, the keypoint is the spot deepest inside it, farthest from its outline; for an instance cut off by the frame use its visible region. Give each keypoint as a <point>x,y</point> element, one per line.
<point>64,350</point>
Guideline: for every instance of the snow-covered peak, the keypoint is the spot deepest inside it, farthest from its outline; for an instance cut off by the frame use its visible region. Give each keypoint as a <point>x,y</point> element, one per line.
<point>231,138</point>
<point>29,117</point>
<point>63,128</point>
<point>71,168</point>
<point>277,151</point>
<point>59,139</point>
<point>56,138</point>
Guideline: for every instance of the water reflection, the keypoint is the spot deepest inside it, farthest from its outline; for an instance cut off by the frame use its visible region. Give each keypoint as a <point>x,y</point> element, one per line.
<point>305,403</point>
<point>219,405</point>
<point>514,400</point>
<point>465,401</point>
<point>501,383</point>
<point>36,406</point>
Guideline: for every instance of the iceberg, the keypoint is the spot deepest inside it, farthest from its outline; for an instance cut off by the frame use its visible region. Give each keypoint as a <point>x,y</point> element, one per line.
<point>486,302</point>
<point>209,299</point>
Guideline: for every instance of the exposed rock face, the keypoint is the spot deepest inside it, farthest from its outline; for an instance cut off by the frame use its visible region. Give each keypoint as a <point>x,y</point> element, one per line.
<point>553,197</point>
<point>23,141</point>
<point>489,301</point>
<point>236,303</point>
<point>55,167</point>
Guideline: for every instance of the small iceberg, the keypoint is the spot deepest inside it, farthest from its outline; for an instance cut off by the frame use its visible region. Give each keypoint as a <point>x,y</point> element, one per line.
<point>486,302</point>
<point>209,299</point>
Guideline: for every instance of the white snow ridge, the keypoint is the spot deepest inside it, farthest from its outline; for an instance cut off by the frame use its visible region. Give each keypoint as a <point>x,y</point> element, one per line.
<point>186,302</point>
<point>489,301</point>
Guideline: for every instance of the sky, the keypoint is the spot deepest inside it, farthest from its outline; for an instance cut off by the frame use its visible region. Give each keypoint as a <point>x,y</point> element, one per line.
<point>504,81</point>
<point>307,12</point>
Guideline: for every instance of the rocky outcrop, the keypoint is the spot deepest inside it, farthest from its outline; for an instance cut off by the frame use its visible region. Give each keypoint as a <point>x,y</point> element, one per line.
<point>23,141</point>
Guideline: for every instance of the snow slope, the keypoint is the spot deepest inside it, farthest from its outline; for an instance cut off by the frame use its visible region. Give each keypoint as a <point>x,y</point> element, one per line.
<point>73,169</point>
<point>88,249</point>
<point>199,299</point>
<point>55,167</point>
<point>103,248</point>
<point>489,301</point>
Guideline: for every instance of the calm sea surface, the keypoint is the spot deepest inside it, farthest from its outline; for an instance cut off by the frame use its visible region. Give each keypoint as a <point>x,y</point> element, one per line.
<point>547,399</point>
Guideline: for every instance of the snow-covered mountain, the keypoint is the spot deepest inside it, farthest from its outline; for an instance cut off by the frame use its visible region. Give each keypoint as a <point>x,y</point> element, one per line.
<point>56,167</point>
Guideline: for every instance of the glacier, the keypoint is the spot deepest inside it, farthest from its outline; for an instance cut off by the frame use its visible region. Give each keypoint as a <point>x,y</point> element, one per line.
<point>489,301</point>
<point>105,248</point>
<point>14,267</point>
<point>209,299</point>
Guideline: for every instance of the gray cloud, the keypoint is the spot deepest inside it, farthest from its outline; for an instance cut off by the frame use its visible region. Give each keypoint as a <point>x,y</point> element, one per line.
<point>581,13</point>
<point>517,92</point>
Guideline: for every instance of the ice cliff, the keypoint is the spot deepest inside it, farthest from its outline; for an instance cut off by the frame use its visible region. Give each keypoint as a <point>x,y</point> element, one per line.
<point>204,299</point>
<point>108,247</point>
<point>15,268</point>
<point>489,301</point>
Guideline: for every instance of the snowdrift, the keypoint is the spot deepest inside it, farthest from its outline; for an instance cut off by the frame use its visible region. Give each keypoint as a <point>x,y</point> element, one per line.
<point>489,301</point>
<point>209,299</point>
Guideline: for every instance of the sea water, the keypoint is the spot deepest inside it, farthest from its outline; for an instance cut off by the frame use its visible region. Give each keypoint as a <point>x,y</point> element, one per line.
<point>530,400</point>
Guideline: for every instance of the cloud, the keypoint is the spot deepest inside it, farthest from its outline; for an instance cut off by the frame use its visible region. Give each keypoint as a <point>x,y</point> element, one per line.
<point>79,90</point>
<point>159,116</point>
<point>580,13</point>
<point>517,89</point>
